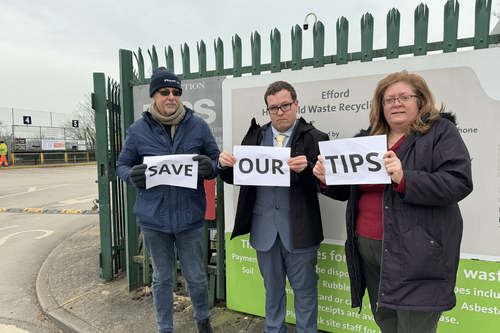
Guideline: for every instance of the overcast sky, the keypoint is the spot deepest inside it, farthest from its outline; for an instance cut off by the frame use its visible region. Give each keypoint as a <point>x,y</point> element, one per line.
<point>49,49</point>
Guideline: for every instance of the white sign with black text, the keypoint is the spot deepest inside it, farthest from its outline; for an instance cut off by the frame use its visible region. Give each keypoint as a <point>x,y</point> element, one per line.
<point>355,161</point>
<point>173,170</point>
<point>261,166</point>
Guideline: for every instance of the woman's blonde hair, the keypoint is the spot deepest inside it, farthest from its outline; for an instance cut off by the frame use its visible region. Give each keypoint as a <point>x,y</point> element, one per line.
<point>425,103</point>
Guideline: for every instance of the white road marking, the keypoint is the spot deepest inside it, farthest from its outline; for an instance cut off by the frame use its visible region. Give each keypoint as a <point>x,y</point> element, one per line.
<point>9,227</point>
<point>13,195</point>
<point>11,329</point>
<point>47,233</point>
<point>32,189</point>
<point>88,198</point>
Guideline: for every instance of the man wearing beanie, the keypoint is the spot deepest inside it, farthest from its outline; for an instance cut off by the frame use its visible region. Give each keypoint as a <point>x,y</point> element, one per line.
<point>171,215</point>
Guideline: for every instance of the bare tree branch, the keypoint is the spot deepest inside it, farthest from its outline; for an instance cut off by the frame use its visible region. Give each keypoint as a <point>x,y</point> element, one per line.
<point>86,123</point>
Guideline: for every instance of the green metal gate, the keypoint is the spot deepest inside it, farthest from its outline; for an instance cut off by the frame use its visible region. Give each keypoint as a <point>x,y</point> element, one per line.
<point>120,241</point>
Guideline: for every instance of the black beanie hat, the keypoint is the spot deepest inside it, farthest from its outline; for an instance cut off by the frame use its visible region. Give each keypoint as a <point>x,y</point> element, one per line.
<point>162,78</point>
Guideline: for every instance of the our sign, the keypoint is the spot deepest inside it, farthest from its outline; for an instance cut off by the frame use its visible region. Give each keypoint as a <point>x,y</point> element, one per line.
<point>265,166</point>
<point>355,161</point>
<point>174,170</point>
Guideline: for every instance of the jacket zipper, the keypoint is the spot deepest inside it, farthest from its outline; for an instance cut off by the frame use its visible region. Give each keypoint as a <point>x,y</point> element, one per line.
<point>360,300</point>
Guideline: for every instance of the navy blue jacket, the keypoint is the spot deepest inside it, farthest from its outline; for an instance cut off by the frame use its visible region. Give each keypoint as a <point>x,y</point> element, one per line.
<point>166,208</point>
<point>422,228</point>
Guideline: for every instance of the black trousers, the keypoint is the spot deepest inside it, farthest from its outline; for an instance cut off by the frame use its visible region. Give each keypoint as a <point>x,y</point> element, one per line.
<point>389,320</point>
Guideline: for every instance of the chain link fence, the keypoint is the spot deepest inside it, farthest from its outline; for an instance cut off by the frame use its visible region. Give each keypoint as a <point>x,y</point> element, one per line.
<point>40,137</point>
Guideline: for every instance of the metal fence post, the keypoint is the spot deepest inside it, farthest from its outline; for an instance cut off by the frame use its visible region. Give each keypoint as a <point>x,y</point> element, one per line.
<point>131,228</point>
<point>256,52</point>
<point>482,24</point>
<point>237,56</point>
<point>99,105</point>
<point>421,30</point>
<point>186,65</point>
<point>219,57</point>
<point>393,24</point>
<point>319,44</point>
<point>296,47</point>
<point>450,33</point>
<point>202,59</point>
<point>367,37</point>
<point>275,51</point>
<point>342,41</point>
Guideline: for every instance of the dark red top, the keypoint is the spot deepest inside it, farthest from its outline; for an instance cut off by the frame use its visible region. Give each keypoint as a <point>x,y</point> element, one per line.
<point>369,220</point>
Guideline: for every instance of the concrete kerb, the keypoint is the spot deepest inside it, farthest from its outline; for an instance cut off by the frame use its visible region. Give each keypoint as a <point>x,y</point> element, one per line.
<point>12,167</point>
<point>66,321</point>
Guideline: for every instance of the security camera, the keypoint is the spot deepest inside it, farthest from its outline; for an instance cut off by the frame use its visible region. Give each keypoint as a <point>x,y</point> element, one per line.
<point>306,25</point>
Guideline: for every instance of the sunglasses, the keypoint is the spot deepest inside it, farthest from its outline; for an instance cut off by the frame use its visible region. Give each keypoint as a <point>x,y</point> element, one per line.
<point>176,93</point>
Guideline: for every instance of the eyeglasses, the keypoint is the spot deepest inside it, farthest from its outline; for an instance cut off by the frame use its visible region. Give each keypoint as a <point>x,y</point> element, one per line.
<point>176,93</point>
<point>285,108</point>
<point>401,99</point>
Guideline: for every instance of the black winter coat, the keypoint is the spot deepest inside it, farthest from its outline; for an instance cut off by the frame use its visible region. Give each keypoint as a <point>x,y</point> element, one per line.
<point>306,227</point>
<point>422,228</point>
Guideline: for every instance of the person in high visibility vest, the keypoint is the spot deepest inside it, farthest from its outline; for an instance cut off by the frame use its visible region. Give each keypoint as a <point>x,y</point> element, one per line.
<point>3,152</point>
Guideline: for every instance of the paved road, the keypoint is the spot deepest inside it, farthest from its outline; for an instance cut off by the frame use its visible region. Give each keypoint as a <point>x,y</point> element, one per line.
<point>49,188</point>
<point>26,239</point>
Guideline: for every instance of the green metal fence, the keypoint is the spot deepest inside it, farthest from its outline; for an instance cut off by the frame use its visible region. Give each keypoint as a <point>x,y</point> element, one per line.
<point>120,241</point>
<point>105,102</point>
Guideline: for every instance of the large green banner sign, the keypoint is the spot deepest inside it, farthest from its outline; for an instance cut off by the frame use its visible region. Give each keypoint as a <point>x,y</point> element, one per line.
<point>337,100</point>
<point>477,290</point>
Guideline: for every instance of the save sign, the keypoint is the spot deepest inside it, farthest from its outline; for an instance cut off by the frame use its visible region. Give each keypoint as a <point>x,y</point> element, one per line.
<point>355,161</point>
<point>174,170</point>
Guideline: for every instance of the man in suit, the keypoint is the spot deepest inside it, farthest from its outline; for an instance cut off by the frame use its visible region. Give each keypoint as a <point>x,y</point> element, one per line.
<point>284,222</point>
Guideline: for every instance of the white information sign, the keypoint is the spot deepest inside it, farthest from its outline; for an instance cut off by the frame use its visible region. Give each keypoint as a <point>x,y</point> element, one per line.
<point>261,166</point>
<point>53,144</point>
<point>355,161</point>
<point>82,145</point>
<point>174,170</point>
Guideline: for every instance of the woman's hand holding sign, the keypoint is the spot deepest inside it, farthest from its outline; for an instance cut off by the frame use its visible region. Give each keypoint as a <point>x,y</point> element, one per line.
<point>319,170</point>
<point>393,166</point>
<point>226,159</point>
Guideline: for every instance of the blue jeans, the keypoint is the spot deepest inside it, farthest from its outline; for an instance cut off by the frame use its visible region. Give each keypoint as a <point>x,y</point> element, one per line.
<point>190,249</point>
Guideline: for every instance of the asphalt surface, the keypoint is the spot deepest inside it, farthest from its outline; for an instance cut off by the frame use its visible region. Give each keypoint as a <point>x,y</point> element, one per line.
<point>72,295</point>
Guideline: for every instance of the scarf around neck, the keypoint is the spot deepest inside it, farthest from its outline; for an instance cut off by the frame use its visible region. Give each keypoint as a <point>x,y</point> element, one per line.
<point>173,120</point>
